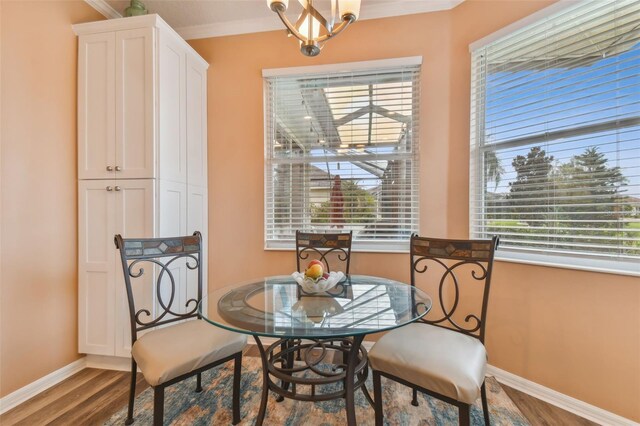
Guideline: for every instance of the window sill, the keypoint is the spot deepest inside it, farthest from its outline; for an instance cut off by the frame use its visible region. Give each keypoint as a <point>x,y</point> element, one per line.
<point>591,264</point>
<point>356,246</point>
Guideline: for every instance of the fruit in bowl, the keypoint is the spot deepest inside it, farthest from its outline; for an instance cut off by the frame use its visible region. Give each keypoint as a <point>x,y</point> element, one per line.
<point>314,270</point>
<point>315,280</point>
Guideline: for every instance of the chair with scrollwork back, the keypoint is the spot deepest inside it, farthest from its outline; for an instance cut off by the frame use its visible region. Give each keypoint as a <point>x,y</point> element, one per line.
<point>176,343</point>
<point>325,247</point>
<point>443,356</point>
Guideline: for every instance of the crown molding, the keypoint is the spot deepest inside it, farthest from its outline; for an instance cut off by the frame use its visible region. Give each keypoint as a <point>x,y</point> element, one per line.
<point>272,23</point>
<point>103,7</point>
<point>243,26</point>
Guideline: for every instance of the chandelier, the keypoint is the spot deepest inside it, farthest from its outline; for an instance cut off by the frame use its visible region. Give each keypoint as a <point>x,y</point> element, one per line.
<point>313,29</point>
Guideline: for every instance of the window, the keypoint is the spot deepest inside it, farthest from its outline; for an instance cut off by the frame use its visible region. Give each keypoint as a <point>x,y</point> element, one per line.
<point>555,138</point>
<point>341,152</point>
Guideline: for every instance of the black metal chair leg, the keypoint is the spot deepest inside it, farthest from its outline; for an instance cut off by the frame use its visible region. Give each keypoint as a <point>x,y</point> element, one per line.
<point>414,400</point>
<point>377,396</point>
<point>237,375</point>
<point>199,383</point>
<point>465,415</point>
<point>132,392</point>
<point>485,405</point>
<point>158,405</point>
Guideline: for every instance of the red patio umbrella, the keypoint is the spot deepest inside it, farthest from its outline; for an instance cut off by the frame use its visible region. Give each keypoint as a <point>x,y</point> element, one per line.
<point>336,201</point>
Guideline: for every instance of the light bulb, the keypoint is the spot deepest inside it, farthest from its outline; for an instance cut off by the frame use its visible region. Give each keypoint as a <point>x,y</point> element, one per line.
<point>275,4</point>
<point>315,28</point>
<point>349,7</point>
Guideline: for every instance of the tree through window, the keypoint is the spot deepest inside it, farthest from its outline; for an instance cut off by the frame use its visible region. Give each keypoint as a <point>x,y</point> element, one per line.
<point>556,135</point>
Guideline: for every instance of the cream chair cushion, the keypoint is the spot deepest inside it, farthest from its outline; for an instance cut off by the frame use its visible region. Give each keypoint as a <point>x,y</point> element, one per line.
<point>441,360</point>
<point>166,353</point>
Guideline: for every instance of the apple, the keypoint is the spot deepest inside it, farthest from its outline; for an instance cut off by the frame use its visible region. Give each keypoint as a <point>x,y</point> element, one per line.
<point>315,262</point>
<point>314,271</point>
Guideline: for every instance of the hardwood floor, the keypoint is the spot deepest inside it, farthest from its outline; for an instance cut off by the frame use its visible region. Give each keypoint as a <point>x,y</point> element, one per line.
<point>92,396</point>
<point>541,413</point>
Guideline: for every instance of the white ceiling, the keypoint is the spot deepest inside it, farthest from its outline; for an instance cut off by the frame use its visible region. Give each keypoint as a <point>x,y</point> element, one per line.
<point>211,18</point>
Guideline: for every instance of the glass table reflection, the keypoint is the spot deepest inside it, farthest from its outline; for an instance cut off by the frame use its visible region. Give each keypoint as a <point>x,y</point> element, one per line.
<point>311,326</point>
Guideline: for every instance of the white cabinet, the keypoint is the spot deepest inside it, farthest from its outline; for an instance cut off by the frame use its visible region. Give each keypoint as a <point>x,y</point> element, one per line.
<point>106,208</point>
<point>96,106</point>
<point>141,162</point>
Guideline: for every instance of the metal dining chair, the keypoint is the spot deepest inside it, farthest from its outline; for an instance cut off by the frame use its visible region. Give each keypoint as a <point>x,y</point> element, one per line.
<point>443,356</point>
<point>176,343</point>
<point>329,248</point>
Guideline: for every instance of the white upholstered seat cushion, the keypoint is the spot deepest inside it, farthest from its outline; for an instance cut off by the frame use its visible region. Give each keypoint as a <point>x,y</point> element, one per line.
<point>166,353</point>
<point>444,361</point>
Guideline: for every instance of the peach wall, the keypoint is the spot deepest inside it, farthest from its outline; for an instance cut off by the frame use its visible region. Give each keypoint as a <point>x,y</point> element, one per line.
<point>236,148</point>
<point>38,268</point>
<point>575,332</point>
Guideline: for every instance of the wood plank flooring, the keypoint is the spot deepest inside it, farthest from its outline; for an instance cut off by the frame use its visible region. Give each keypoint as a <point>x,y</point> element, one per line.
<point>92,396</point>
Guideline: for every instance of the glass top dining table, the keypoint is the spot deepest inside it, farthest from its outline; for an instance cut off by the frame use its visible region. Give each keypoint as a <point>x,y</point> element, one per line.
<point>278,307</point>
<point>312,326</point>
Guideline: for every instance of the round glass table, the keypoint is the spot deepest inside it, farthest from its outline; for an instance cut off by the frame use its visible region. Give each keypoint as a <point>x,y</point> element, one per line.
<point>309,326</point>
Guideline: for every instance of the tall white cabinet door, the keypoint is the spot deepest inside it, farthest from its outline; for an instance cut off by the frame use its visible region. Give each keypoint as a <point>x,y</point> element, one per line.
<point>171,108</point>
<point>197,221</point>
<point>135,98</point>
<point>96,106</point>
<point>172,218</point>
<point>134,213</point>
<point>196,123</point>
<point>172,209</point>
<point>96,260</point>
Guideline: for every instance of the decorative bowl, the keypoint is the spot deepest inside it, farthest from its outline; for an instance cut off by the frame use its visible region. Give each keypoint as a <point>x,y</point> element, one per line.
<point>320,285</point>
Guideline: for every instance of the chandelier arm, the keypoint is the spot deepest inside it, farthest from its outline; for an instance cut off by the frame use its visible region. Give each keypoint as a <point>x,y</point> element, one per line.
<point>314,12</point>
<point>301,18</point>
<point>344,24</point>
<point>290,27</point>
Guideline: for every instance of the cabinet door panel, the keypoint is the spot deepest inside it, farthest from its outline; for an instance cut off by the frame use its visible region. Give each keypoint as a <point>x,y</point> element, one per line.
<point>134,219</point>
<point>171,108</point>
<point>197,221</point>
<point>196,123</point>
<point>173,222</point>
<point>96,267</point>
<point>134,104</point>
<point>172,213</point>
<point>96,106</point>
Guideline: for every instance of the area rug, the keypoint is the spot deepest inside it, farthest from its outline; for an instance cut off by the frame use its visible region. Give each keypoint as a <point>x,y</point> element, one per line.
<point>183,406</point>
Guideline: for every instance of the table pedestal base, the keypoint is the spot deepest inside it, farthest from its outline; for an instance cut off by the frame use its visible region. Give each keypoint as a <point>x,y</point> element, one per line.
<point>304,380</point>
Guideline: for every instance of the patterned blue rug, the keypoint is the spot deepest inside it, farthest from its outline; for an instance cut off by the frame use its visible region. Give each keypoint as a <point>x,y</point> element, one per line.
<point>183,406</point>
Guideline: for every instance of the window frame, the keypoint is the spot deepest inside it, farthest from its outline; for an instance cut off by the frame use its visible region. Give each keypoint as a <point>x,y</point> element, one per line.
<point>373,246</point>
<point>528,255</point>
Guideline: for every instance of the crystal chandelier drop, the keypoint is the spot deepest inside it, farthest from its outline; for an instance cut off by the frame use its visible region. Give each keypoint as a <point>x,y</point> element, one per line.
<point>313,29</point>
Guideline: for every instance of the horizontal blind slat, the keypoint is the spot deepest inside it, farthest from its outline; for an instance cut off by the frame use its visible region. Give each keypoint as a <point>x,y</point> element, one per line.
<point>555,134</point>
<point>360,126</point>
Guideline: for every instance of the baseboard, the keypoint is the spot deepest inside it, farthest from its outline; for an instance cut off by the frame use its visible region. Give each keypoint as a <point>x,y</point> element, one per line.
<point>109,362</point>
<point>573,405</point>
<point>32,389</point>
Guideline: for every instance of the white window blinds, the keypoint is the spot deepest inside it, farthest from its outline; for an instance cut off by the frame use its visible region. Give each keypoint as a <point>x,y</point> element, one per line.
<point>341,155</point>
<point>555,135</point>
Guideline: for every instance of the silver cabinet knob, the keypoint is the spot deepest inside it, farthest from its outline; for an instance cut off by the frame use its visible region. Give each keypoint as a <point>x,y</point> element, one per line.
<point>117,188</point>
<point>109,168</point>
<point>118,168</point>
<point>109,188</point>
